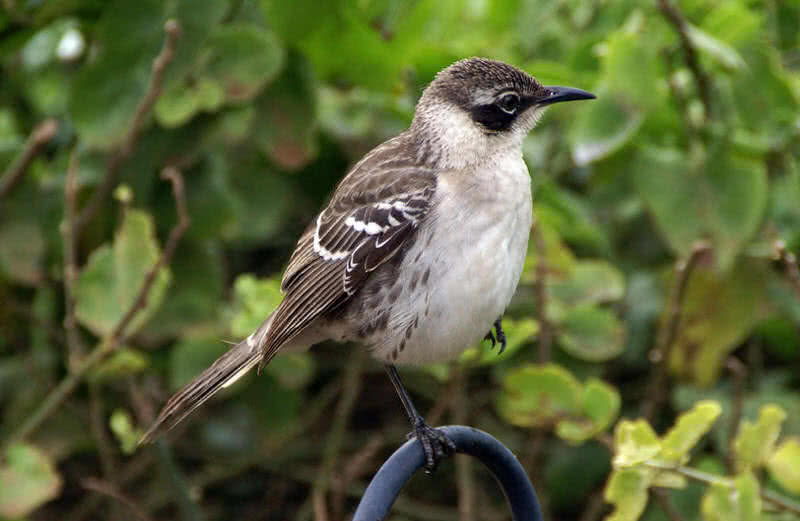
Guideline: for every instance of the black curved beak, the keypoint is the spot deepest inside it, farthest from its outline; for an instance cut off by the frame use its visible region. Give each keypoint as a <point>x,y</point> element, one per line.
<point>559,94</point>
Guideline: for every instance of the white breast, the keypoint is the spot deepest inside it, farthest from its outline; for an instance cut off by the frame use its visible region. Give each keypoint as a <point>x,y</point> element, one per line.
<point>474,242</point>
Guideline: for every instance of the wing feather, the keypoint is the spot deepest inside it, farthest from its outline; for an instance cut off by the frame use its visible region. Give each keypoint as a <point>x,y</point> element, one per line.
<point>373,213</point>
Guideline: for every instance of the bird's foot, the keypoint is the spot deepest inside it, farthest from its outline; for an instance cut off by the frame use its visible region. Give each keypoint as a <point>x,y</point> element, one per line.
<point>435,444</point>
<point>501,336</point>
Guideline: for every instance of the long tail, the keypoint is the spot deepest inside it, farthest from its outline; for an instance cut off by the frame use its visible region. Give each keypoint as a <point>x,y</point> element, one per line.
<point>223,372</point>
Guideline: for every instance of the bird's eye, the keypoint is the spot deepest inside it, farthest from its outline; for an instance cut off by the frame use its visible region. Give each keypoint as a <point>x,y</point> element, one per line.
<point>508,102</point>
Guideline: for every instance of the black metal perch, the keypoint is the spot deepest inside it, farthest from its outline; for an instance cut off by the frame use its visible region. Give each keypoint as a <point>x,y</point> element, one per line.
<point>398,469</point>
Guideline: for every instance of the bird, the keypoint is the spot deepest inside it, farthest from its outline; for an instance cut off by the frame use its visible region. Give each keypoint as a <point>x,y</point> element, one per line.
<point>420,248</point>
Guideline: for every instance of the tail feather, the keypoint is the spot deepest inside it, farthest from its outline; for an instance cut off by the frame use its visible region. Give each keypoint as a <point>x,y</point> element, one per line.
<point>226,370</point>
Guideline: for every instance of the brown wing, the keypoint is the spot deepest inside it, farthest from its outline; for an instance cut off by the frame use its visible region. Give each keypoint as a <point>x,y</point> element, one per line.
<point>373,213</point>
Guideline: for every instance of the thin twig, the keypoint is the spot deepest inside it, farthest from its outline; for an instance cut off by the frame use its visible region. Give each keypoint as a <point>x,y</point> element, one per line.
<point>353,470</point>
<point>783,503</point>
<point>126,147</point>
<point>739,372</point>
<point>465,481</point>
<point>594,507</point>
<point>106,488</point>
<point>667,334</point>
<point>789,261</point>
<point>174,176</point>
<point>39,137</point>
<point>540,295</point>
<point>109,343</point>
<point>75,348</point>
<point>662,498</point>
<point>674,16</point>
<point>351,387</point>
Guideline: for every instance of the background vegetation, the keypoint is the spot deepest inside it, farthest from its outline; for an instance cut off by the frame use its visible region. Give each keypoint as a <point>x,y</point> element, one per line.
<point>161,158</point>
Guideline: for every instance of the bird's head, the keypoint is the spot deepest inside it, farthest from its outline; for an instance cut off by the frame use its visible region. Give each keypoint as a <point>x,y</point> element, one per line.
<point>478,103</point>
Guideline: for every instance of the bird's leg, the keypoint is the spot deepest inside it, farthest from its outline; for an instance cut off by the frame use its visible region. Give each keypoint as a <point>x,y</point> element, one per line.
<point>435,443</point>
<point>501,335</point>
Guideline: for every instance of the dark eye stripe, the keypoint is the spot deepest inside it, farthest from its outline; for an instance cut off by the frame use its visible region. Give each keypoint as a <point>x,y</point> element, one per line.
<point>492,117</point>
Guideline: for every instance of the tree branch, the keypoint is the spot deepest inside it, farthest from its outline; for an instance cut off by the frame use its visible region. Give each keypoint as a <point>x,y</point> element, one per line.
<point>110,342</point>
<point>667,334</point>
<point>39,137</point>
<point>124,150</point>
<point>674,16</point>
<point>540,295</point>
<point>789,261</point>
<point>75,348</point>
<point>779,501</point>
<point>107,489</point>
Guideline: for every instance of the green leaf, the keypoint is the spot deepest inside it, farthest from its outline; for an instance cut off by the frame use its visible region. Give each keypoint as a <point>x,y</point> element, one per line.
<point>627,491</point>
<point>107,91</point>
<point>603,127</point>
<point>123,427</point>
<point>719,196</point>
<point>591,333</point>
<point>285,126</point>
<point>29,479</point>
<point>257,299</point>
<point>590,282</point>
<point>180,103</point>
<point>538,395</point>
<point>191,357</point>
<point>719,311</point>
<point>715,48</point>
<point>292,370</point>
<point>243,58</point>
<point>737,501</point>
<point>754,443</point>
<point>784,464</point>
<point>634,442</point>
<point>687,431</point>
<point>22,247</point>
<point>601,404</point>
<point>108,286</point>
<point>123,362</point>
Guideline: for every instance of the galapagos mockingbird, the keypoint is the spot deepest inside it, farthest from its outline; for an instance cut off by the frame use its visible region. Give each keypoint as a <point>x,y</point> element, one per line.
<point>421,246</point>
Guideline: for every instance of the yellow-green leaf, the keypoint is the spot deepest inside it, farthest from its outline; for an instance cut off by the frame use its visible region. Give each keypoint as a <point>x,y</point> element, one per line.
<point>627,491</point>
<point>114,274</point>
<point>688,430</point>
<point>736,501</point>
<point>755,441</point>
<point>634,442</point>
<point>28,479</point>
<point>539,395</point>
<point>784,464</point>
<point>257,299</point>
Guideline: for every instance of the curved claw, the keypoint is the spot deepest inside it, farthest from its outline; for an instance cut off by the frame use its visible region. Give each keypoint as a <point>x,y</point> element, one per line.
<point>435,444</point>
<point>490,336</point>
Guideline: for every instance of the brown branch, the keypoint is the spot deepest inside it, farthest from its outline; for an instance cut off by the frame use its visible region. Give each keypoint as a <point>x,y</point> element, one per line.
<point>739,372</point>
<point>106,488</point>
<point>125,148</point>
<point>357,467</point>
<point>75,348</point>
<point>674,16</point>
<point>540,296</point>
<point>465,480</point>
<point>662,498</point>
<point>39,137</point>
<point>109,343</point>
<point>789,261</point>
<point>174,176</point>
<point>351,387</point>
<point>657,391</point>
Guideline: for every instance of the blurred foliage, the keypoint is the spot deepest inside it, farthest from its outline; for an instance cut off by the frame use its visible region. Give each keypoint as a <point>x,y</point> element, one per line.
<point>694,140</point>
